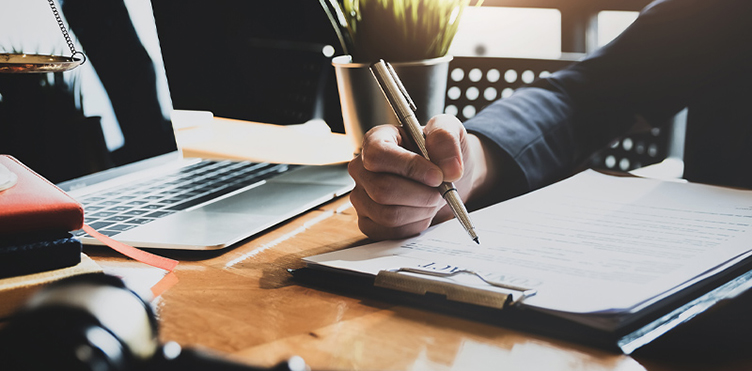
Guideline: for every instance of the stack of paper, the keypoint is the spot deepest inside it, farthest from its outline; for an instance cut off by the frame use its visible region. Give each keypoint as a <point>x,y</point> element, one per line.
<point>596,248</point>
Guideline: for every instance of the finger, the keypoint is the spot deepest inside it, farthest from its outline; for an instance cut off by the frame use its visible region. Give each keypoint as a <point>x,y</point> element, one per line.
<point>444,214</point>
<point>390,189</point>
<point>376,231</point>
<point>445,136</point>
<point>382,153</point>
<point>390,216</point>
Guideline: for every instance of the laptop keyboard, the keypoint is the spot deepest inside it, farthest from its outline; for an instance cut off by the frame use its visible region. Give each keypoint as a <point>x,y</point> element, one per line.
<point>127,206</point>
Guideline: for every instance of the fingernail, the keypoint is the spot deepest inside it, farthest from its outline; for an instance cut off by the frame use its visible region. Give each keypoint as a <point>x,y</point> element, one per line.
<point>433,177</point>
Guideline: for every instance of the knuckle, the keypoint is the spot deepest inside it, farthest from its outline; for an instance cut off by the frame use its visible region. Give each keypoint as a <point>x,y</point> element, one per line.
<point>389,216</point>
<point>433,199</point>
<point>366,159</point>
<point>374,211</point>
<point>376,144</point>
<point>354,168</point>
<point>414,168</point>
<point>442,137</point>
<point>378,231</point>
<point>368,228</point>
<point>357,200</point>
<point>422,225</point>
<point>379,196</point>
<point>371,160</point>
<point>380,190</point>
<point>368,154</point>
<point>375,231</point>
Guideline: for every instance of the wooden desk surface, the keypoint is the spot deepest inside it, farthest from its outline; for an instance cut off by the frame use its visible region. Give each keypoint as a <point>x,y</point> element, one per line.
<point>243,303</point>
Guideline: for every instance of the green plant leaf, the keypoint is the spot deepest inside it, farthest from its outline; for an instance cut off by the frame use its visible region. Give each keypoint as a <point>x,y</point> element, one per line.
<point>401,30</point>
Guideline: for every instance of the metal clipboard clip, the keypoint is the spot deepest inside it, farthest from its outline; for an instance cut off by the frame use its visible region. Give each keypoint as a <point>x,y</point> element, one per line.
<point>394,279</point>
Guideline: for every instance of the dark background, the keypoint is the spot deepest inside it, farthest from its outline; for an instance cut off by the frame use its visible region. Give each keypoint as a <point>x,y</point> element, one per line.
<point>250,59</point>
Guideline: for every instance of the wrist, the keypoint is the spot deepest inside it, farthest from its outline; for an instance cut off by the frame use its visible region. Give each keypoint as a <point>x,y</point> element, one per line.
<point>494,177</point>
<point>482,173</point>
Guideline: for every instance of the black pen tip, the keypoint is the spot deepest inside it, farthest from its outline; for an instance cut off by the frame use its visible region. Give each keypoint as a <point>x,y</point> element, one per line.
<point>476,240</point>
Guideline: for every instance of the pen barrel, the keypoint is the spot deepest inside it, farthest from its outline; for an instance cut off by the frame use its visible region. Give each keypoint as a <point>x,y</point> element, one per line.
<point>404,108</point>
<point>412,125</point>
<point>398,99</point>
<point>452,197</point>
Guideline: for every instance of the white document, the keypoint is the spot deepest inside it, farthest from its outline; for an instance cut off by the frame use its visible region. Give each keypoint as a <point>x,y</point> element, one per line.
<point>592,244</point>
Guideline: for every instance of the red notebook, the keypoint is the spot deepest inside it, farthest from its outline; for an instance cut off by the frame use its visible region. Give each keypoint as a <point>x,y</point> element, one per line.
<point>33,215</point>
<point>33,204</point>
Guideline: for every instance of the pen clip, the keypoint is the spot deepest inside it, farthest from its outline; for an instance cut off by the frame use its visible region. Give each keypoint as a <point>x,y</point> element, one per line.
<point>400,86</point>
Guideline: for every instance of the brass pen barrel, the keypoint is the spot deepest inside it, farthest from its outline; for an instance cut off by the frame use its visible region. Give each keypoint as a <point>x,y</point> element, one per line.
<point>452,197</point>
<point>404,108</point>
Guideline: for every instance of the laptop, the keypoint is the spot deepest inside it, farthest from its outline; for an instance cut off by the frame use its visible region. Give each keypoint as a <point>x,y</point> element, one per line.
<point>103,133</point>
<point>291,42</point>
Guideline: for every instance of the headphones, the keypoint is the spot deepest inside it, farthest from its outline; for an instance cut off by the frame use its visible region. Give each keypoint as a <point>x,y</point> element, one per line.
<point>94,322</point>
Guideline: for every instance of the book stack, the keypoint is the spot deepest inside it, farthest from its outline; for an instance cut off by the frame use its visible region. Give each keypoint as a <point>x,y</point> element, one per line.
<point>36,246</point>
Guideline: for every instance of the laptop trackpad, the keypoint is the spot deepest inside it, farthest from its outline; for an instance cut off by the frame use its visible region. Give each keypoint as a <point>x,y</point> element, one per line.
<point>276,199</point>
<point>230,220</point>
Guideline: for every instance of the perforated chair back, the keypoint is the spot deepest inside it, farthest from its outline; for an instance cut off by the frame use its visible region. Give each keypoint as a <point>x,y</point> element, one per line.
<point>475,82</point>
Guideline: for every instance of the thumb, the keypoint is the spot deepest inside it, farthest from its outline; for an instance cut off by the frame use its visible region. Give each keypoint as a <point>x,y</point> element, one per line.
<point>444,137</point>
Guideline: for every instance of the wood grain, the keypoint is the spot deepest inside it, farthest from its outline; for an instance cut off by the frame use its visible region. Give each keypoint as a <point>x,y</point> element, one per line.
<point>242,302</point>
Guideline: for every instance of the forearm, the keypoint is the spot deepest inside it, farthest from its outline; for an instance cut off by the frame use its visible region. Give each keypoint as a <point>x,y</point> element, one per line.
<point>552,127</point>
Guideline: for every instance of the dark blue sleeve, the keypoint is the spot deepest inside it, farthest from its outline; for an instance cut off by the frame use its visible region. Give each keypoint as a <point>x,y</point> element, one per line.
<point>653,70</point>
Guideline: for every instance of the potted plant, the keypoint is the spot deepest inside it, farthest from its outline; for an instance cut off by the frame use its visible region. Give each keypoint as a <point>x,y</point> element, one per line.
<point>413,35</point>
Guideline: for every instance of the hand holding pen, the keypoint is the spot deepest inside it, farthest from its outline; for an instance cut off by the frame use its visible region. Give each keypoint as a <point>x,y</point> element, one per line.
<point>404,108</point>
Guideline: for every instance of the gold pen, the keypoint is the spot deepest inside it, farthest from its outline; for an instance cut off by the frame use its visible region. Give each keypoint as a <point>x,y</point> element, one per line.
<point>404,107</point>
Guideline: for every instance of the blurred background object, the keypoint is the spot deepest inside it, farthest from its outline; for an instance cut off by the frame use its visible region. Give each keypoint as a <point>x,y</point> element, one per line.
<point>96,323</point>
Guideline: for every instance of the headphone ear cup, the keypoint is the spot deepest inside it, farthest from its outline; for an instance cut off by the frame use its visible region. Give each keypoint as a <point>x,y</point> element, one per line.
<point>56,337</point>
<point>87,322</point>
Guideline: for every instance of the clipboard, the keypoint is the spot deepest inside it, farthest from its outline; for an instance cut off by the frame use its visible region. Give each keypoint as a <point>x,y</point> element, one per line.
<point>395,279</point>
<point>682,318</point>
<point>676,273</point>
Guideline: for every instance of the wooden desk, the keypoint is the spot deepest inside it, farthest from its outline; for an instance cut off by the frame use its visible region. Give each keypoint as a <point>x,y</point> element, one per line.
<point>243,303</point>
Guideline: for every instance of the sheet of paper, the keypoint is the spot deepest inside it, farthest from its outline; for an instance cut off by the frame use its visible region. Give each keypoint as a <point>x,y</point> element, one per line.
<point>592,243</point>
<point>311,143</point>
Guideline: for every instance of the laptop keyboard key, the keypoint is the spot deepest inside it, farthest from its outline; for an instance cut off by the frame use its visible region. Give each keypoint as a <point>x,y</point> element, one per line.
<point>119,209</point>
<point>158,214</point>
<point>140,221</point>
<point>100,225</point>
<point>109,233</point>
<point>103,214</point>
<point>118,218</point>
<point>191,186</point>
<point>121,227</point>
<point>135,212</point>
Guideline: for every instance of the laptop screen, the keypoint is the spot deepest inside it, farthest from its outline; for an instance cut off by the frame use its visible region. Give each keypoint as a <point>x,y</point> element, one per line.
<point>111,111</point>
<point>264,61</point>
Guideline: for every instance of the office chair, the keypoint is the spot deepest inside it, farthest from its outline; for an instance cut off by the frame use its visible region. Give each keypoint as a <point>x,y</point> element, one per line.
<point>475,82</point>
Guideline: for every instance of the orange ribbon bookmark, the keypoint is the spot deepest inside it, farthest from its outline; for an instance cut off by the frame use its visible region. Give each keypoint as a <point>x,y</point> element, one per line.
<point>132,252</point>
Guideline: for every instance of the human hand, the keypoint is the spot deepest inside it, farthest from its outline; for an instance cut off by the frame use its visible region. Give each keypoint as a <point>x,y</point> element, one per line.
<point>395,193</point>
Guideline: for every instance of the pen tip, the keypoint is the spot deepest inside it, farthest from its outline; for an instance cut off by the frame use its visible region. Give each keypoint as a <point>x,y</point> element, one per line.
<point>476,240</point>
